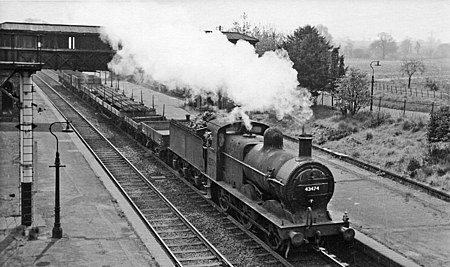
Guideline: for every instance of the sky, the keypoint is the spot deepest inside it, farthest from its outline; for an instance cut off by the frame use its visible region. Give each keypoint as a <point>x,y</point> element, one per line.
<point>355,19</point>
<point>164,41</point>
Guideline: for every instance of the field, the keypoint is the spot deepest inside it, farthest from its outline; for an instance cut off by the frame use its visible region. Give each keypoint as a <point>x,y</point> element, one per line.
<point>390,88</point>
<point>435,68</point>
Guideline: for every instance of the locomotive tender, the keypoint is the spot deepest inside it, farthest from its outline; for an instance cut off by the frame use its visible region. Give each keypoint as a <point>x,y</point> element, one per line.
<point>247,173</point>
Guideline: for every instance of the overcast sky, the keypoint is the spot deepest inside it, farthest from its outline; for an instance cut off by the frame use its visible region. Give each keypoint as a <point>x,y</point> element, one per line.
<point>356,19</point>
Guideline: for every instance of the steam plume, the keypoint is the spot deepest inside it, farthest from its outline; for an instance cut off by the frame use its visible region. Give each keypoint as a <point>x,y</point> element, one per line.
<point>168,49</point>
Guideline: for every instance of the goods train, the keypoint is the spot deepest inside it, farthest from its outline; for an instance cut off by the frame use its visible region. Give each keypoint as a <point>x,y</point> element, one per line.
<point>246,171</point>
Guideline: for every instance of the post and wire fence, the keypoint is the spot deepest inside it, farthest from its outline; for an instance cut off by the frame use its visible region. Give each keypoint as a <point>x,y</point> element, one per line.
<point>403,105</point>
<point>444,93</point>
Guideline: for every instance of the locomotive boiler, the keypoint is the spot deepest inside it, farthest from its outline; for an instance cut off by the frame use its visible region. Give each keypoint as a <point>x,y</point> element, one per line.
<point>296,182</point>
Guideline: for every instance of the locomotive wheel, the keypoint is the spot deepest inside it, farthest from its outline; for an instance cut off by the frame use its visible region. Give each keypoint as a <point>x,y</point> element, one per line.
<point>273,239</point>
<point>224,200</point>
<point>244,220</point>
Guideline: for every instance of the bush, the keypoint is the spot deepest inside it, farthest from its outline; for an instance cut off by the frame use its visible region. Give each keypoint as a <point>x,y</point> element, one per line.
<point>428,171</point>
<point>413,165</point>
<point>442,171</point>
<point>389,164</point>
<point>431,84</point>
<point>438,153</point>
<point>379,119</point>
<point>337,134</point>
<point>439,126</point>
<point>407,125</point>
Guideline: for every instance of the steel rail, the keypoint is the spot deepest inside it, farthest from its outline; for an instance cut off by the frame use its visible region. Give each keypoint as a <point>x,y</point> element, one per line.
<point>176,260</point>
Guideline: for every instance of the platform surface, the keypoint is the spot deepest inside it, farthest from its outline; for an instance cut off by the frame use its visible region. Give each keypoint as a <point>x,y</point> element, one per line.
<point>98,226</point>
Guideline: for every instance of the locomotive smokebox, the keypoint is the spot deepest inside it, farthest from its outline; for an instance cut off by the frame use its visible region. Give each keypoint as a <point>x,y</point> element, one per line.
<point>273,138</point>
<point>305,145</point>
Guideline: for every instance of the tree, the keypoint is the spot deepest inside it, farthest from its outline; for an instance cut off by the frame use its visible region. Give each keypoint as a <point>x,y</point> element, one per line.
<point>244,28</point>
<point>417,47</point>
<point>323,31</point>
<point>442,51</point>
<point>269,38</point>
<point>406,47</point>
<point>411,66</point>
<point>311,54</point>
<point>384,45</point>
<point>353,92</point>
<point>348,48</point>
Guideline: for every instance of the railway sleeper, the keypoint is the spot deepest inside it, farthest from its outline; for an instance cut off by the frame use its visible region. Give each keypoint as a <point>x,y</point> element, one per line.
<point>199,258</point>
<point>200,250</point>
<point>160,219</point>
<point>179,237</point>
<point>190,244</point>
<point>173,231</point>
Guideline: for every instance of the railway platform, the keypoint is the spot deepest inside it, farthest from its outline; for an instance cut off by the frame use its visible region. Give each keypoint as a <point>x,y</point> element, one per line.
<point>98,225</point>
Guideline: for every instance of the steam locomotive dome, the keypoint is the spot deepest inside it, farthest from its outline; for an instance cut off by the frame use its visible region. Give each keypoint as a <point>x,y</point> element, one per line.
<point>297,182</point>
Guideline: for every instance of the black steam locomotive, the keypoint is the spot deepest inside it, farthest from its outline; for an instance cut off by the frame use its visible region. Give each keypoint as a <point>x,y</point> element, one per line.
<point>243,169</point>
<point>246,171</point>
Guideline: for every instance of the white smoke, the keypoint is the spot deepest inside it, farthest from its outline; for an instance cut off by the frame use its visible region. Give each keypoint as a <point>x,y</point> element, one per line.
<point>239,114</point>
<point>163,43</point>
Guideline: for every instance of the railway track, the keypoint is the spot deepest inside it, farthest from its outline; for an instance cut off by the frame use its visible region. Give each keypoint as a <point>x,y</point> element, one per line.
<point>165,225</point>
<point>181,240</point>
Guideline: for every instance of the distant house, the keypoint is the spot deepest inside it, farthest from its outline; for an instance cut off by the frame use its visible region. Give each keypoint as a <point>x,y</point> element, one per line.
<point>236,36</point>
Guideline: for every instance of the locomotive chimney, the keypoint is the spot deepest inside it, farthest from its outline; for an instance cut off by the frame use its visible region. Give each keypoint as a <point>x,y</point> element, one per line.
<point>304,144</point>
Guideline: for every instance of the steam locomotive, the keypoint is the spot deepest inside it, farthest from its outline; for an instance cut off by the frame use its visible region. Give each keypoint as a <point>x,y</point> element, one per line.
<point>246,171</point>
<point>242,167</point>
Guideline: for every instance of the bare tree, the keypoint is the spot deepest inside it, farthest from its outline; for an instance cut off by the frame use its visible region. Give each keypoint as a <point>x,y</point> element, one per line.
<point>417,47</point>
<point>244,28</point>
<point>384,45</point>
<point>406,47</point>
<point>269,38</point>
<point>410,66</point>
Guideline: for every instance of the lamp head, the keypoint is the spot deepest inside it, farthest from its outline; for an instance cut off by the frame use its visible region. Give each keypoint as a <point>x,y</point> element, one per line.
<point>68,129</point>
<point>378,63</point>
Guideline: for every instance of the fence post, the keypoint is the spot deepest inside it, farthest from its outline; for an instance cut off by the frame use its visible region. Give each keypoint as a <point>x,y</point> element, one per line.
<point>432,107</point>
<point>379,105</point>
<point>434,93</point>
<point>404,108</point>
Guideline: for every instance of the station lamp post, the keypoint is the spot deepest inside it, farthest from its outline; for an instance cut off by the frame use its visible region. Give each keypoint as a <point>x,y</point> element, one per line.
<point>57,230</point>
<point>371,87</point>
